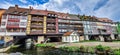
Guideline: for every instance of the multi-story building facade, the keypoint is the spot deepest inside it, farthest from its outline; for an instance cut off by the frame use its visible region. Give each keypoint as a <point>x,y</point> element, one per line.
<point>69,24</point>
<point>52,25</point>
<point>90,27</point>
<point>43,25</point>
<point>14,21</point>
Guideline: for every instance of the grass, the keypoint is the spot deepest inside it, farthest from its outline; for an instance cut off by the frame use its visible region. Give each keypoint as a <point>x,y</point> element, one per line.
<point>90,41</point>
<point>116,41</point>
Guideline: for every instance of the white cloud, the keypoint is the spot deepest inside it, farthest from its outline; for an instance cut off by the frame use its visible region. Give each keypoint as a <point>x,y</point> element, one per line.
<point>23,1</point>
<point>110,10</point>
<point>6,5</point>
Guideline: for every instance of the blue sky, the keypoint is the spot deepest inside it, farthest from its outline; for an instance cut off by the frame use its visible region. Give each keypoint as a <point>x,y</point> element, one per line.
<point>100,8</point>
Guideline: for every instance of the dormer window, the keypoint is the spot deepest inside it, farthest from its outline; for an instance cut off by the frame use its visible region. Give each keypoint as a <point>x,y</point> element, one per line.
<point>15,12</point>
<point>49,14</point>
<point>55,15</point>
<point>20,13</point>
<point>52,14</point>
<point>25,13</point>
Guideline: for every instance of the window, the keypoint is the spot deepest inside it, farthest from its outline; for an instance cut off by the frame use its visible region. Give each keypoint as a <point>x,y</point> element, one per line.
<point>23,24</point>
<point>2,30</point>
<point>3,23</point>
<point>72,37</point>
<point>13,23</point>
<point>66,38</point>
<point>4,16</point>
<point>76,37</point>
<point>24,17</point>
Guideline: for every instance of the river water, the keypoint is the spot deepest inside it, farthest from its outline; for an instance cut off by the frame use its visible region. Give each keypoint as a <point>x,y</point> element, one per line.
<point>41,51</point>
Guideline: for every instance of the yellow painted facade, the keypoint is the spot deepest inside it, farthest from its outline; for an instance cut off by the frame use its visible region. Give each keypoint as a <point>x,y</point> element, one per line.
<point>44,24</point>
<point>28,24</point>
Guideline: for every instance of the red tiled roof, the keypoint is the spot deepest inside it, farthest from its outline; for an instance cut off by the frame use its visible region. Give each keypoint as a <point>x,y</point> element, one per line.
<point>11,10</point>
<point>67,33</point>
<point>42,12</point>
<point>104,19</point>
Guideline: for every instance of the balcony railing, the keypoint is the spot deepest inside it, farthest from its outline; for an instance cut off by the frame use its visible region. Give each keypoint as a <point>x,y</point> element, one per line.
<point>63,22</point>
<point>51,26</point>
<point>37,26</point>
<point>103,32</point>
<point>78,26</point>
<point>36,19</point>
<point>12,19</point>
<point>36,32</point>
<point>51,32</point>
<point>63,27</point>
<point>51,20</point>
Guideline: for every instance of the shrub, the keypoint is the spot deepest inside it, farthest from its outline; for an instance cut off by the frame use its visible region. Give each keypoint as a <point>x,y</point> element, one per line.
<point>45,45</point>
<point>91,50</point>
<point>83,49</point>
<point>116,52</point>
<point>100,48</point>
<point>70,48</point>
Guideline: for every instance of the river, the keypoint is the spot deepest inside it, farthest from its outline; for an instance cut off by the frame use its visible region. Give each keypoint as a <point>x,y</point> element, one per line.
<point>41,51</point>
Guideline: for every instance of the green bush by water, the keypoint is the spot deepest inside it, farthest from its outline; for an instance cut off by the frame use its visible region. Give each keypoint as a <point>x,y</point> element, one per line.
<point>45,45</point>
<point>116,51</point>
<point>100,48</point>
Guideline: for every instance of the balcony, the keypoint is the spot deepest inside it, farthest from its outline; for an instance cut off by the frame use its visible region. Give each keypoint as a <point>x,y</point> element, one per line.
<point>78,26</point>
<point>14,20</point>
<point>63,27</point>
<point>36,26</point>
<point>36,19</point>
<point>51,20</point>
<point>103,33</point>
<point>51,26</point>
<point>12,26</point>
<point>80,32</point>
<point>51,32</point>
<point>36,32</point>
<point>61,22</point>
<point>77,23</point>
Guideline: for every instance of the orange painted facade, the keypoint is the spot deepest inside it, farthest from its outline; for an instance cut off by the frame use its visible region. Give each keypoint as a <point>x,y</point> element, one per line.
<point>1,12</point>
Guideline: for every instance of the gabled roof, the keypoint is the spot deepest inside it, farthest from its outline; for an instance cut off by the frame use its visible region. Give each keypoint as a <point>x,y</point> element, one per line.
<point>104,20</point>
<point>42,12</point>
<point>38,12</point>
<point>73,16</point>
<point>19,10</point>
<point>2,9</point>
<point>62,15</point>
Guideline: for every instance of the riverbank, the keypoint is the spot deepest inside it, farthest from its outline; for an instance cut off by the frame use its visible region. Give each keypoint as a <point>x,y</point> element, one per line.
<point>87,47</point>
<point>114,45</point>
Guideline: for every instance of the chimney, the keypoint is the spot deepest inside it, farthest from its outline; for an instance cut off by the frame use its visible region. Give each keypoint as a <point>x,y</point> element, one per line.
<point>16,6</point>
<point>78,15</point>
<point>67,13</point>
<point>30,7</point>
<point>46,9</point>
